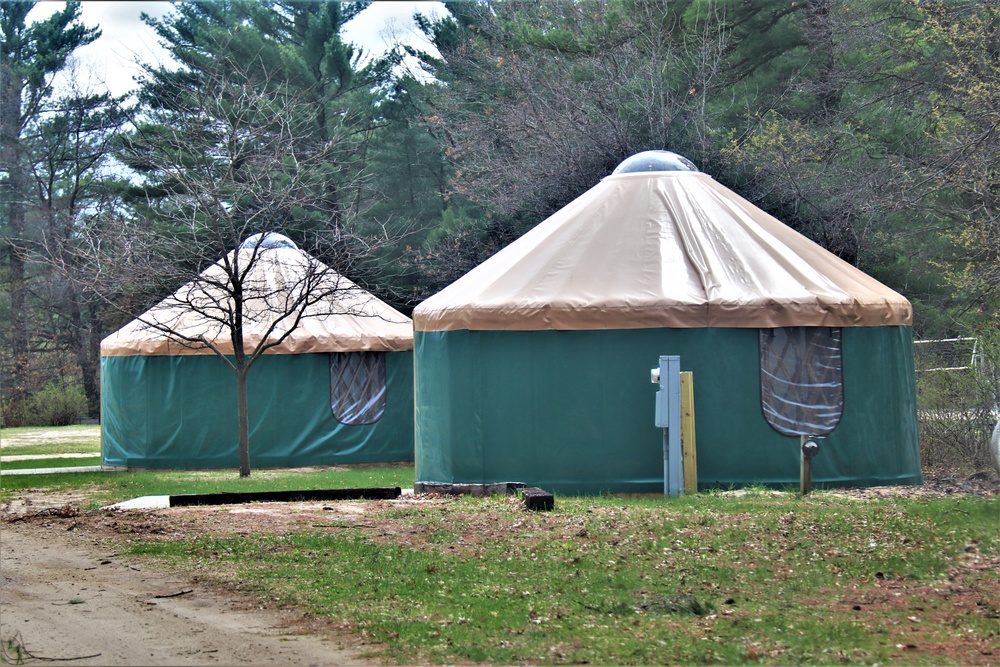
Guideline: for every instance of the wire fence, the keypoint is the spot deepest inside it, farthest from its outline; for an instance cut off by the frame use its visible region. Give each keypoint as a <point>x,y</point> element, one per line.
<point>958,400</point>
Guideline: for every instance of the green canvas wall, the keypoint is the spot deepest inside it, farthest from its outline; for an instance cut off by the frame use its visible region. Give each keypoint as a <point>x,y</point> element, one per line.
<point>572,411</point>
<point>180,412</point>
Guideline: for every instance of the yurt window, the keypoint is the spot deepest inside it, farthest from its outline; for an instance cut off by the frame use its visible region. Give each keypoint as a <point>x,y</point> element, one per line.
<point>357,387</point>
<point>801,379</point>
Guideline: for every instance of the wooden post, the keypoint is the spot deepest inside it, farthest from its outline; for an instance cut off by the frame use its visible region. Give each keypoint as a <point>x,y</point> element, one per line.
<point>687,433</point>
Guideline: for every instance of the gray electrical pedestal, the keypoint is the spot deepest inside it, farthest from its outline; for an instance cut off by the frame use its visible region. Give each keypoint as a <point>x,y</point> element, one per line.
<point>668,417</point>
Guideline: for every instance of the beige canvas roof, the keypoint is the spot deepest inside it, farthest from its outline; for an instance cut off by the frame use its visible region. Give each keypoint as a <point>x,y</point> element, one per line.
<point>661,249</point>
<point>351,320</point>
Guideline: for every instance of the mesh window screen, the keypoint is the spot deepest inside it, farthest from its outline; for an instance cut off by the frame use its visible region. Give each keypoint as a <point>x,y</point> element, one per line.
<point>357,387</point>
<point>801,379</point>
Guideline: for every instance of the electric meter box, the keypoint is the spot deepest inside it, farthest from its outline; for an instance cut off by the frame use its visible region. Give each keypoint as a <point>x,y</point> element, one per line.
<point>661,416</point>
<point>667,375</point>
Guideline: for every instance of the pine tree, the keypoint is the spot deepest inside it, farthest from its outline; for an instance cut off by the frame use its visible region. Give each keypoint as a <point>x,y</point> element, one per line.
<point>30,55</point>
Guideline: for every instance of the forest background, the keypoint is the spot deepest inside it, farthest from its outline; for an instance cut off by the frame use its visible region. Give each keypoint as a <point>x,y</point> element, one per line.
<point>871,126</point>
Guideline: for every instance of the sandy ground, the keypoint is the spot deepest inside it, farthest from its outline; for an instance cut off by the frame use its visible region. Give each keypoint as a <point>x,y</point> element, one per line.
<point>64,597</point>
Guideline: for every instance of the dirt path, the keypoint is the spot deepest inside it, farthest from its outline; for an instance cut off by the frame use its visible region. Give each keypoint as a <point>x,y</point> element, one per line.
<point>63,596</point>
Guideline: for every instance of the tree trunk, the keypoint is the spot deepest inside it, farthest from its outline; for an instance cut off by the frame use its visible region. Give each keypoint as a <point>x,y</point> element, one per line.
<point>14,195</point>
<point>81,342</point>
<point>819,31</point>
<point>244,421</point>
<point>19,338</point>
<point>240,365</point>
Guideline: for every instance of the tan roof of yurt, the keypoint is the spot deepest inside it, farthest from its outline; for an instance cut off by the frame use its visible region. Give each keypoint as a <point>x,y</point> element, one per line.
<point>651,249</point>
<point>351,320</point>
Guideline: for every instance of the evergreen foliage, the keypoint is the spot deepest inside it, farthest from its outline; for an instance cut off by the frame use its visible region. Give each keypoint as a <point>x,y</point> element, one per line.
<point>868,125</point>
<point>51,148</point>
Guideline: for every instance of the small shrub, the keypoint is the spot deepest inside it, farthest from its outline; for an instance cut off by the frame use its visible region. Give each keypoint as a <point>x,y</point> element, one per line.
<point>957,409</point>
<point>13,413</point>
<point>56,404</point>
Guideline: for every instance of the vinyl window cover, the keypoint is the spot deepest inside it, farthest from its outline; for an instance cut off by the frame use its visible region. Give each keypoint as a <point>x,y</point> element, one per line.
<point>802,379</point>
<point>357,387</point>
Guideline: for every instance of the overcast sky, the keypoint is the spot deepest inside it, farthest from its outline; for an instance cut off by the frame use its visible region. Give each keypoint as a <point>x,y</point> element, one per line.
<point>125,38</point>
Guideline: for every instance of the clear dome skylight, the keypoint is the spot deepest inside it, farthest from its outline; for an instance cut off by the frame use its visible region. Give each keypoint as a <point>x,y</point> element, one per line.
<point>268,241</point>
<point>654,161</point>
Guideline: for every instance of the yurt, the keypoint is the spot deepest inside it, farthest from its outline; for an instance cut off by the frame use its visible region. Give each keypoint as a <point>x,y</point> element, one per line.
<point>535,366</point>
<point>337,389</point>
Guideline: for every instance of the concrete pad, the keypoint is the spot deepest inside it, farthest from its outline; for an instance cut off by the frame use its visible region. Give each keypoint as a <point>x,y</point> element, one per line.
<point>142,503</point>
<point>46,471</point>
<point>26,457</point>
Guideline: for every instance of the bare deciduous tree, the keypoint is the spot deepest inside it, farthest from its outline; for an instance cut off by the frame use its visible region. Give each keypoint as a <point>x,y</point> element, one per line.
<point>543,100</point>
<point>231,161</point>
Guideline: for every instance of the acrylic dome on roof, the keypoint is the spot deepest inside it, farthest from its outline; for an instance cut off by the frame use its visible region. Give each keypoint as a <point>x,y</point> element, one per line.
<point>654,161</point>
<point>267,240</point>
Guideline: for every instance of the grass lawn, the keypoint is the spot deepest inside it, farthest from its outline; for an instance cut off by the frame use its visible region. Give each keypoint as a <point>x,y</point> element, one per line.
<point>51,463</point>
<point>51,440</point>
<point>107,487</point>
<point>771,578</point>
<point>759,577</point>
